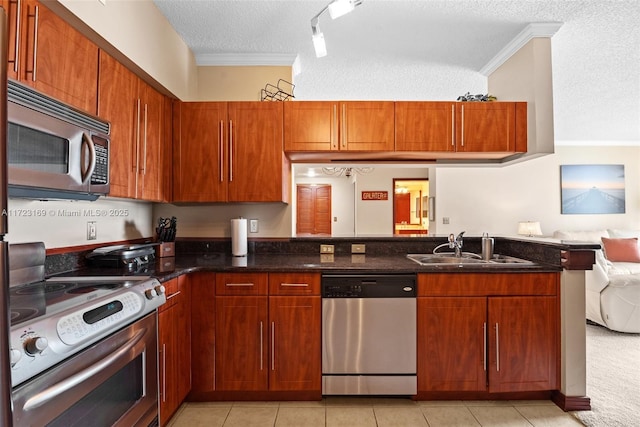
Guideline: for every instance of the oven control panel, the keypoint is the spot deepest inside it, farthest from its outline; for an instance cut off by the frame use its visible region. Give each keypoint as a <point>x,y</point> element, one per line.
<point>77,327</point>
<point>45,341</point>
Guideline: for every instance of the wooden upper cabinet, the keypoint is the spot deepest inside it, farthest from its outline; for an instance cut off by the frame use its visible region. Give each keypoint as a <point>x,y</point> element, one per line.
<point>118,103</point>
<point>490,127</point>
<point>136,112</point>
<point>462,127</point>
<point>310,126</point>
<point>229,152</point>
<point>258,168</point>
<point>339,126</point>
<point>425,126</point>
<point>200,151</point>
<point>149,184</point>
<point>51,56</point>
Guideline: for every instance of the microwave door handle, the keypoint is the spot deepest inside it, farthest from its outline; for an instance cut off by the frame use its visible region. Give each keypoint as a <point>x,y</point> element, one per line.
<point>92,158</point>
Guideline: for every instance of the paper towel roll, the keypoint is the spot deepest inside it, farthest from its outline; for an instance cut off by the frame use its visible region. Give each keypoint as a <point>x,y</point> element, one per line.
<point>239,237</point>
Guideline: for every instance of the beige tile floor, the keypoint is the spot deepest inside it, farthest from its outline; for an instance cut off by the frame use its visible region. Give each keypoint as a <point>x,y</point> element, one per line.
<point>371,412</point>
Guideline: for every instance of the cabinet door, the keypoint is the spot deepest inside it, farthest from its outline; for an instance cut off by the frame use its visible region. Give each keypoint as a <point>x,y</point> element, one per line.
<point>485,127</point>
<point>523,344</point>
<point>150,154</point>
<point>452,344</point>
<point>183,339</point>
<point>241,343</point>
<point>167,364</point>
<point>424,126</point>
<point>203,332</point>
<point>294,283</point>
<point>257,165</point>
<point>295,353</point>
<point>119,104</point>
<point>60,61</point>
<point>367,126</point>
<point>310,126</point>
<point>200,152</point>
<point>14,17</point>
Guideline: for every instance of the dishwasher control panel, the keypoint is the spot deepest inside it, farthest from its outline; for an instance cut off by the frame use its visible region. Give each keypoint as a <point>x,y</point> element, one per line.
<point>368,285</point>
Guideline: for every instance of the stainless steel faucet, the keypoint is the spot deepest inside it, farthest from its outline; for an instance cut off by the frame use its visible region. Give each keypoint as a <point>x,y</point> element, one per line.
<point>455,243</point>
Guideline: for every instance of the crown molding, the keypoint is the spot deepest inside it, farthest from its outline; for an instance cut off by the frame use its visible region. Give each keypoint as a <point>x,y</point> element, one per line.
<point>245,59</point>
<point>536,29</point>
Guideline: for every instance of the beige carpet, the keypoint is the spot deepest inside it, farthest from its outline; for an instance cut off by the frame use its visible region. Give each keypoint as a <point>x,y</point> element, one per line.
<point>613,379</point>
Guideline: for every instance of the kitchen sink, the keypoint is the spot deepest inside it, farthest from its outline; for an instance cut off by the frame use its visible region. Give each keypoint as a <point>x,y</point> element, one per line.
<point>465,258</point>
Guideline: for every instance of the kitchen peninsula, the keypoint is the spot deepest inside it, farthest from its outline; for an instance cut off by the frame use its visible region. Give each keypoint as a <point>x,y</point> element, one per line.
<point>453,300</point>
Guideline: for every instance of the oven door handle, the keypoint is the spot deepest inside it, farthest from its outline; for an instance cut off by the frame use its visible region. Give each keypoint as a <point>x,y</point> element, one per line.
<point>54,391</point>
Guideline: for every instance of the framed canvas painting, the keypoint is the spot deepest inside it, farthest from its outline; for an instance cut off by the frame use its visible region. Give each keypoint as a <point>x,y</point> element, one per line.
<point>592,189</point>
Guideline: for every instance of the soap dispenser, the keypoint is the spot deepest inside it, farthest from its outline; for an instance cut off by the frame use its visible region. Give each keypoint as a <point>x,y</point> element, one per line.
<point>487,247</point>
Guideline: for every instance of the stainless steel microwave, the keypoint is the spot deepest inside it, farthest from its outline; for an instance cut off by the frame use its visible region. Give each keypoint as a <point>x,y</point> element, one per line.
<point>53,150</point>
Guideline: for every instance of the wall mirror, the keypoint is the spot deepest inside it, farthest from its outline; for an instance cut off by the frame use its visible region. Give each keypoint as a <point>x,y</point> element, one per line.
<point>410,206</point>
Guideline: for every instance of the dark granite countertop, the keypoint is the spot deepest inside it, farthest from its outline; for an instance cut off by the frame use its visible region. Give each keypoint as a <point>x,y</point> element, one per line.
<point>302,254</point>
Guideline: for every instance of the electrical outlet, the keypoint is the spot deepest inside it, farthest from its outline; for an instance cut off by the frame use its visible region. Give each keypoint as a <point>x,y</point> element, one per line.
<point>445,220</point>
<point>92,230</point>
<point>357,249</point>
<point>253,226</point>
<point>326,249</point>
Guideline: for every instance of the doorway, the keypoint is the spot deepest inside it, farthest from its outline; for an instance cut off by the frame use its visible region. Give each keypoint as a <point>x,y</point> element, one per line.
<point>313,209</point>
<point>410,206</point>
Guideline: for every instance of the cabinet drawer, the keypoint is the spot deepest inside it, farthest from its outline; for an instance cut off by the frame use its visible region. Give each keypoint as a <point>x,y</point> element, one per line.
<point>294,283</point>
<point>171,292</point>
<point>480,284</point>
<point>241,283</point>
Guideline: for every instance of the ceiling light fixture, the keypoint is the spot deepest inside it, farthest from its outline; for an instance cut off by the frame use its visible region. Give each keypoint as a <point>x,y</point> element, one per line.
<point>346,171</point>
<point>336,8</point>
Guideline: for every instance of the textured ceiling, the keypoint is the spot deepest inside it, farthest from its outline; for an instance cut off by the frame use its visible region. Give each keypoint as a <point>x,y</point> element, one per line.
<point>434,50</point>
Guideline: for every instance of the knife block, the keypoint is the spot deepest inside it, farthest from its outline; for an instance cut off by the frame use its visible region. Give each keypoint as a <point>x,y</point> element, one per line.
<point>166,249</point>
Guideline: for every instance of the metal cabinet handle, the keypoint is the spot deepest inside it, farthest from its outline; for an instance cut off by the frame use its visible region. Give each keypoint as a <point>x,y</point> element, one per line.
<point>173,295</point>
<point>497,349</point>
<point>484,348</point>
<point>462,127</point>
<point>238,284</point>
<point>230,150</point>
<point>17,43</point>
<point>137,155</point>
<point>164,372</point>
<point>273,346</point>
<point>334,124</point>
<point>295,285</point>
<point>221,149</point>
<point>344,126</point>
<point>144,146</point>
<point>261,349</point>
<point>453,126</point>
<point>54,391</point>
<point>35,42</point>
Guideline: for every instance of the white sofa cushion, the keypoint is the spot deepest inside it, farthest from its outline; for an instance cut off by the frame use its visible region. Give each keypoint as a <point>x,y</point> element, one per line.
<point>624,234</point>
<point>582,236</point>
<point>618,268</point>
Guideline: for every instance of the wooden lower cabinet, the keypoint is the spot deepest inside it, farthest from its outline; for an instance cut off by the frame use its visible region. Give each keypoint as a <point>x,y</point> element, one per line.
<point>295,357</point>
<point>488,343</point>
<point>174,347</point>
<point>268,343</point>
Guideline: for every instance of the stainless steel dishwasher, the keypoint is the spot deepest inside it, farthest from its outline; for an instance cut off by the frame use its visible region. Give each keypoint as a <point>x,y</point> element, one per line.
<point>369,334</point>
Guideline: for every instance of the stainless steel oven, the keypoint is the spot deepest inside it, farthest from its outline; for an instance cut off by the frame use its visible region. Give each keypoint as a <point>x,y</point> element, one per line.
<point>83,350</point>
<point>112,383</point>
